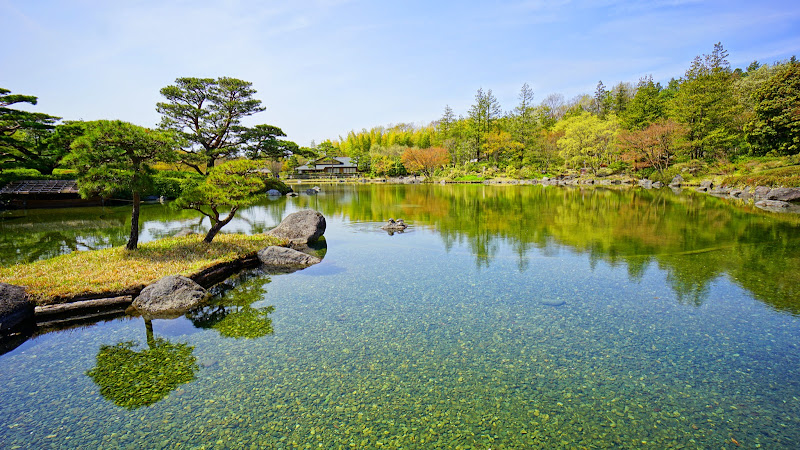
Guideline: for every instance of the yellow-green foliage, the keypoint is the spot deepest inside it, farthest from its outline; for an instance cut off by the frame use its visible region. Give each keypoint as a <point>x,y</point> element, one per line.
<point>115,268</point>
<point>782,176</point>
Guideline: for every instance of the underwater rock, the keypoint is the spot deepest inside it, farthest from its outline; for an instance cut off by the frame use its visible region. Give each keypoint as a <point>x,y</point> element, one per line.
<point>173,294</point>
<point>283,259</point>
<point>14,306</point>
<point>394,225</point>
<point>553,302</point>
<point>184,232</point>
<point>302,227</point>
<point>772,205</point>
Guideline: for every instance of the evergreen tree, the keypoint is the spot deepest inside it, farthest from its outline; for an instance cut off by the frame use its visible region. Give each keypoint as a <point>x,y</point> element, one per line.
<point>113,156</point>
<point>646,107</point>
<point>707,104</point>
<point>483,115</point>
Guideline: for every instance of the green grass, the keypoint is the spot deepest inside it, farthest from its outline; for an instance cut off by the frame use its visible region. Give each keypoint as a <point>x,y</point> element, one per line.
<point>469,178</point>
<point>114,269</point>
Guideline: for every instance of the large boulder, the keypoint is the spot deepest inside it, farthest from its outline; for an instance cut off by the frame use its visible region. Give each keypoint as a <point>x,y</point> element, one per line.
<point>761,192</point>
<point>784,194</point>
<point>302,227</point>
<point>284,260</point>
<point>676,182</point>
<point>171,295</point>
<point>14,306</point>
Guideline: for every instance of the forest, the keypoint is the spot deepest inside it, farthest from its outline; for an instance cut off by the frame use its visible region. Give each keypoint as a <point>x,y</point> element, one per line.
<point>713,120</point>
<point>709,119</point>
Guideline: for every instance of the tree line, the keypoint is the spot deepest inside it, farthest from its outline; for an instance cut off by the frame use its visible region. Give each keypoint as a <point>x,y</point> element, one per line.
<point>201,128</point>
<point>712,112</point>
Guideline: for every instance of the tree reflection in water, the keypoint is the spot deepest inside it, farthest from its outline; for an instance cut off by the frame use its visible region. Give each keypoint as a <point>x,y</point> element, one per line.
<point>230,310</point>
<point>134,378</point>
<point>693,238</point>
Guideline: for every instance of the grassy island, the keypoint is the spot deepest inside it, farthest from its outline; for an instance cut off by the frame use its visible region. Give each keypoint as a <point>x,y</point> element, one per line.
<point>115,269</point>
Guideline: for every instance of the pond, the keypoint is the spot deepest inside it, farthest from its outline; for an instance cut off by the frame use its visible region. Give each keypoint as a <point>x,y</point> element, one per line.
<point>504,317</point>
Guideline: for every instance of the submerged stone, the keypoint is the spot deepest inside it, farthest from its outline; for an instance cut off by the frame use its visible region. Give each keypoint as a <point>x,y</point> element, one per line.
<point>553,302</point>
<point>282,259</point>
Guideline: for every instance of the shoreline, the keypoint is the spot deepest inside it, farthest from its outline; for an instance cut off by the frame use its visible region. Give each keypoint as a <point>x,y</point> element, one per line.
<point>768,198</point>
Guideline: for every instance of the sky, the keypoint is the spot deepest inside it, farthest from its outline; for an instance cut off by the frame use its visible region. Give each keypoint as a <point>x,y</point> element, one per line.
<point>325,67</point>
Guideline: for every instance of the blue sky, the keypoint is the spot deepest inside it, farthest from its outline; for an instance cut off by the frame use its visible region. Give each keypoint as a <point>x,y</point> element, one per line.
<point>324,67</point>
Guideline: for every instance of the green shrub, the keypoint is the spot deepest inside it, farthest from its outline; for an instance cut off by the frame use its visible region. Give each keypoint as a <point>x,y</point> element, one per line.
<point>278,185</point>
<point>9,175</point>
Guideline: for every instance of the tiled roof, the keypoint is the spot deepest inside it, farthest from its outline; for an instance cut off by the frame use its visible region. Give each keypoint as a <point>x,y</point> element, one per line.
<point>41,187</point>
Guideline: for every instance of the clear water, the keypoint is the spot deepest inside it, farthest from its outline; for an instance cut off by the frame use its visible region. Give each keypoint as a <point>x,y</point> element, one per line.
<point>505,317</point>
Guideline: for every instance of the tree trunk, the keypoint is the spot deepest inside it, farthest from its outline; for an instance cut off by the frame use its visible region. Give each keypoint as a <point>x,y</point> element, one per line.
<point>218,226</point>
<point>148,326</point>
<point>133,240</point>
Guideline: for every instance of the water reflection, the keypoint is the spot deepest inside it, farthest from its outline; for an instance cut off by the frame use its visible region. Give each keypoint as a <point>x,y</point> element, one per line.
<point>695,239</point>
<point>231,312</point>
<point>134,378</point>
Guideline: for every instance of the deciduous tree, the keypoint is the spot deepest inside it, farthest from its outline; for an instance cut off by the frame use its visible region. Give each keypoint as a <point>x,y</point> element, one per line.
<point>425,160</point>
<point>776,125</point>
<point>587,140</point>
<point>655,146</point>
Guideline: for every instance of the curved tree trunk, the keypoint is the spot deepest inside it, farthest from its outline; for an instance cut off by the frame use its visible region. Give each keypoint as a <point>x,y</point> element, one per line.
<point>218,226</point>
<point>133,240</point>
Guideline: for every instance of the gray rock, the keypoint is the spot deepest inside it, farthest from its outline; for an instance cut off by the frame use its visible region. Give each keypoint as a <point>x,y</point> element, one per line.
<point>302,227</point>
<point>761,191</point>
<point>14,306</point>
<point>676,182</point>
<point>171,295</point>
<point>784,194</point>
<point>274,193</point>
<point>658,185</point>
<point>706,186</point>
<point>720,191</point>
<point>772,204</point>
<point>292,194</point>
<point>395,225</point>
<point>552,302</point>
<point>312,192</point>
<point>645,183</point>
<point>283,259</point>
